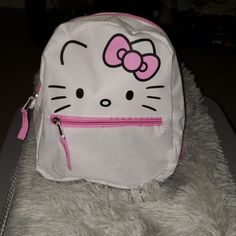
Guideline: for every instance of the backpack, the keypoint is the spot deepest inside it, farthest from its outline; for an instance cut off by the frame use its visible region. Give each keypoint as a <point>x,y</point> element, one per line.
<point>109,107</point>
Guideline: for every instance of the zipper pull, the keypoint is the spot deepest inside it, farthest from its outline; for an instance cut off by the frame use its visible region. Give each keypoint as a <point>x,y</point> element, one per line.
<point>24,116</point>
<point>57,122</point>
<point>63,141</point>
<point>31,102</point>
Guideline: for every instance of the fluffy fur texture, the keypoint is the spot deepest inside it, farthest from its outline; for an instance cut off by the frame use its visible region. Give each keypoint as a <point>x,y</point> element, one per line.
<point>198,199</point>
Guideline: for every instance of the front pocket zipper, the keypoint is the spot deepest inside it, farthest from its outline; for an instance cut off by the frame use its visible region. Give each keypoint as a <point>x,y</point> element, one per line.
<point>63,140</point>
<point>97,122</point>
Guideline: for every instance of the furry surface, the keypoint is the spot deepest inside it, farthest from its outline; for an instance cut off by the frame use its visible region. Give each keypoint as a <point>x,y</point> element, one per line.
<point>199,199</point>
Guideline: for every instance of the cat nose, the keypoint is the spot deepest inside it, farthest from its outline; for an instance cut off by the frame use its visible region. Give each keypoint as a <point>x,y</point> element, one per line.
<point>105,102</point>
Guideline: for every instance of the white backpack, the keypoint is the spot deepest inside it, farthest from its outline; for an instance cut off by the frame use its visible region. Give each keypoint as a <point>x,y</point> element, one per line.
<point>109,108</point>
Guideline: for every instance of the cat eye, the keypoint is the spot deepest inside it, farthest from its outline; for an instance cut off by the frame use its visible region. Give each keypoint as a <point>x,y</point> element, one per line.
<point>129,95</point>
<point>79,93</point>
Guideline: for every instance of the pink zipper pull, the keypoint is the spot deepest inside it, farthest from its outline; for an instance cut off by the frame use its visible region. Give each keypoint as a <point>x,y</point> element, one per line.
<point>24,117</point>
<point>63,141</point>
<point>24,125</point>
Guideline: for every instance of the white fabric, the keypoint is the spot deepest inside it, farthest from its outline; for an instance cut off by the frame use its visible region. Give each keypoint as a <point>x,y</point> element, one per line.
<point>124,157</point>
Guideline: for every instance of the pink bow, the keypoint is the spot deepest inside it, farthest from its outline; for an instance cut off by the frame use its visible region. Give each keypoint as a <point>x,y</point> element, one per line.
<point>119,52</point>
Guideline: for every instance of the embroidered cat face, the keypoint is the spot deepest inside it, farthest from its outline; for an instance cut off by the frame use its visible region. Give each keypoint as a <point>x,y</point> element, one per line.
<point>120,78</point>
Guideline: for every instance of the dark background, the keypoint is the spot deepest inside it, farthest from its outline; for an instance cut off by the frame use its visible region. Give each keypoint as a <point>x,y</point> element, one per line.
<point>203,34</point>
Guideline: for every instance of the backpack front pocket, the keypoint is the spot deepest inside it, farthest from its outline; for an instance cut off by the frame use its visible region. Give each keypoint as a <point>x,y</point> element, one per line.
<point>97,122</point>
<point>124,152</point>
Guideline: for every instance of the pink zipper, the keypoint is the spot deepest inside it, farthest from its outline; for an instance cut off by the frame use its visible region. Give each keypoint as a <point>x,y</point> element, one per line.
<point>97,122</point>
<point>63,140</point>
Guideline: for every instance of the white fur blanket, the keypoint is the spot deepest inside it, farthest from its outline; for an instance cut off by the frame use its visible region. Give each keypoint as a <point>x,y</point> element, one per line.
<point>199,199</point>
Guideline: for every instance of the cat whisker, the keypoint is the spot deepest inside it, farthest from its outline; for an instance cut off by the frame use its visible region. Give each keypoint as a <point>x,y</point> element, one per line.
<point>153,97</point>
<point>149,107</point>
<point>62,108</point>
<point>155,86</point>
<point>56,86</point>
<point>58,97</point>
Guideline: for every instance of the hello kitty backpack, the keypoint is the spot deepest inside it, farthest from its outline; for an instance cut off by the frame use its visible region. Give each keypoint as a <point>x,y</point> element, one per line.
<point>109,108</point>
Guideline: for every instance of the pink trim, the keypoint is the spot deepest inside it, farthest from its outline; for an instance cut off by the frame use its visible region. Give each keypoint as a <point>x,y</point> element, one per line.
<point>24,125</point>
<point>65,145</point>
<point>139,18</point>
<point>96,122</point>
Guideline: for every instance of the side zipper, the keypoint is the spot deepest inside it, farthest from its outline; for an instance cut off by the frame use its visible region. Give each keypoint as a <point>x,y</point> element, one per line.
<point>24,116</point>
<point>97,122</point>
